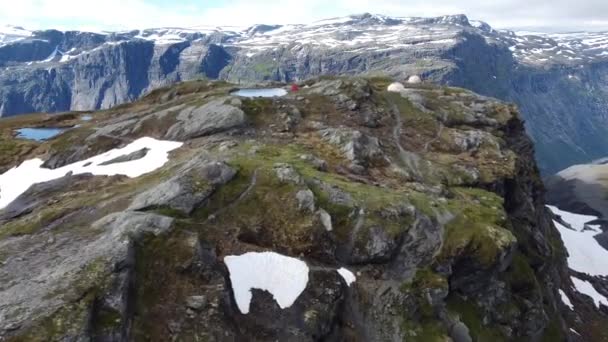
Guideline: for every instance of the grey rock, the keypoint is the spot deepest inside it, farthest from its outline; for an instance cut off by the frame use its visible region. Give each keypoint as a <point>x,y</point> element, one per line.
<point>128,157</point>
<point>32,281</point>
<point>306,200</point>
<point>212,117</point>
<point>459,332</point>
<point>471,140</point>
<point>135,224</point>
<point>325,219</point>
<point>307,318</point>
<point>37,196</point>
<point>335,195</point>
<point>356,146</point>
<point>192,185</point>
<point>318,163</point>
<point>287,174</point>
<point>196,303</point>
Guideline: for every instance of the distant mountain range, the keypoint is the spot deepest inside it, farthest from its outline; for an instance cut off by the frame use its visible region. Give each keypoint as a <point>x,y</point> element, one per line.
<point>560,81</point>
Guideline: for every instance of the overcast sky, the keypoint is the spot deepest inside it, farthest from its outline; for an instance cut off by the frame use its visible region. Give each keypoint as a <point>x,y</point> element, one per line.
<point>554,15</point>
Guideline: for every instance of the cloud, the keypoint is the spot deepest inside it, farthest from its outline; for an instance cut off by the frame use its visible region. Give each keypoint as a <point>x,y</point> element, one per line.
<point>127,14</point>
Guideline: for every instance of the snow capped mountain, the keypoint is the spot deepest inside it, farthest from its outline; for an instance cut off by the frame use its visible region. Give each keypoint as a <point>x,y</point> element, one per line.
<point>359,33</point>
<point>92,70</point>
<point>9,33</point>
<point>557,48</point>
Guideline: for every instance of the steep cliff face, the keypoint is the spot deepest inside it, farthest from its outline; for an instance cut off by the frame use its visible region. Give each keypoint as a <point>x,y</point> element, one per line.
<point>109,74</point>
<point>565,107</point>
<point>340,212</point>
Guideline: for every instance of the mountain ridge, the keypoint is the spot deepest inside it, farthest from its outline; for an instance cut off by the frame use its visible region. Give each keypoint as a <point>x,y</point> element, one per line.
<point>558,81</point>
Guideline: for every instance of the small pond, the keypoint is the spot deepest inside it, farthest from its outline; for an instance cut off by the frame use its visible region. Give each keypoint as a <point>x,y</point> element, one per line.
<point>39,134</point>
<point>86,117</point>
<point>260,92</point>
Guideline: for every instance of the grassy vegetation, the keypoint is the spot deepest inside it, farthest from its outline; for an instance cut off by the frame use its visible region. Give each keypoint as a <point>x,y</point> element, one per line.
<point>31,224</point>
<point>426,331</point>
<point>259,110</point>
<point>470,315</point>
<point>479,227</point>
<point>265,69</point>
<point>162,286</point>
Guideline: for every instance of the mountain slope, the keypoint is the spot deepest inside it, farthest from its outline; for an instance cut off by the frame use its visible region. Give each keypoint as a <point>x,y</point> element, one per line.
<point>366,215</point>
<point>558,81</point>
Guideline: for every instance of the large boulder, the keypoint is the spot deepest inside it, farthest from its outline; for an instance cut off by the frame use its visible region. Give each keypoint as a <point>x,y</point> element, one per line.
<point>195,182</point>
<point>213,117</point>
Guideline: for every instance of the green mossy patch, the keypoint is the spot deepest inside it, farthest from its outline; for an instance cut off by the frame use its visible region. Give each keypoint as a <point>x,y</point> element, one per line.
<point>425,280</point>
<point>471,315</point>
<point>426,331</point>
<point>265,69</point>
<point>31,224</point>
<point>260,110</point>
<point>479,227</point>
<point>520,275</point>
<point>162,282</point>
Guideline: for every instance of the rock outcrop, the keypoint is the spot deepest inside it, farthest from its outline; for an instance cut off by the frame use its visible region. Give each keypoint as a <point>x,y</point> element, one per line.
<point>434,217</point>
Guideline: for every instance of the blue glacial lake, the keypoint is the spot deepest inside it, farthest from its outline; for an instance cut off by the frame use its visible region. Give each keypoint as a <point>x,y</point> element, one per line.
<point>38,134</point>
<point>261,92</point>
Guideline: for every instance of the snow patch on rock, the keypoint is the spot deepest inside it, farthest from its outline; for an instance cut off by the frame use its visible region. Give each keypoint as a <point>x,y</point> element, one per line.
<point>565,299</point>
<point>16,181</point>
<point>284,277</point>
<point>586,255</point>
<point>348,276</point>
<point>587,288</point>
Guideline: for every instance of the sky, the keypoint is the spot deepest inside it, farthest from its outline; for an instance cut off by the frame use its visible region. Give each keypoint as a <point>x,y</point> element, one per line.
<point>547,15</point>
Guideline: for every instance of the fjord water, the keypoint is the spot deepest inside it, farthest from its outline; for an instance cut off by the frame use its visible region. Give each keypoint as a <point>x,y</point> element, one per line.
<point>260,92</point>
<point>38,134</point>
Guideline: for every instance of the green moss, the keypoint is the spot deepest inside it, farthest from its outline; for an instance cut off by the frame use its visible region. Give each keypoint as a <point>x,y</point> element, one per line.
<point>162,286</point>
<point>520,275</point>
<point>32,223</point>
<point>265,69</point>
<point>168,211</point>
<point>426,278</point>
<point>478,228</point>
<point>380,83</point>
<point>11,151</point>
<point>428,331</point>
<point>424,281</point>
<point>471,316</point>
<point>107,320</point>
<point>259,110</point>
<point>553,332</point>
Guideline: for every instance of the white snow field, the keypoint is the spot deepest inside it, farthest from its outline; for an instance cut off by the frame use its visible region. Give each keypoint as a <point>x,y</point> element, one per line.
<point>16,181</point>
<point>586,255</point>
<point>284,277</point>
<point>585,287</point>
